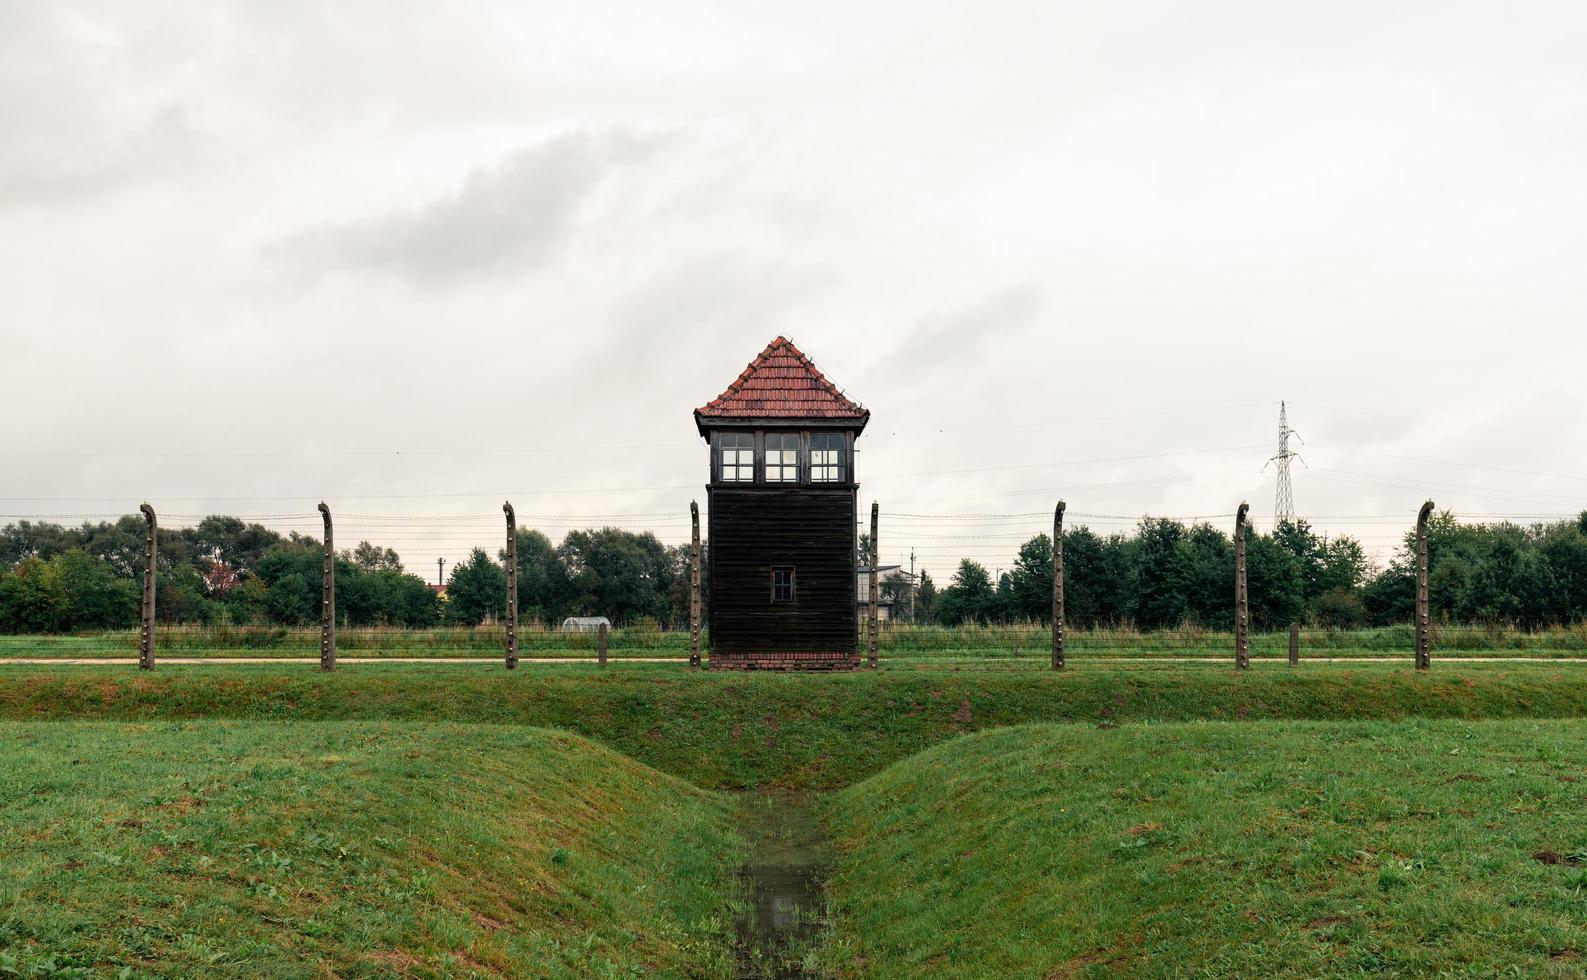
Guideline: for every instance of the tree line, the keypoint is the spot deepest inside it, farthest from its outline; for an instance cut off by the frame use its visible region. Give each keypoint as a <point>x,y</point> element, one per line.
<point>1162,575</point>
<point>223,570</point>
<point>1167,574</point>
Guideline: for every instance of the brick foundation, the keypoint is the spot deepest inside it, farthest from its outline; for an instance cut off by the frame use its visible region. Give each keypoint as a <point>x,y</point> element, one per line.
<point>784,661</point>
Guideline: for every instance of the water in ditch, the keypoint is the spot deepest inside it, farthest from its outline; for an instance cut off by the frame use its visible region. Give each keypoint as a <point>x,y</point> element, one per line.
<point>783,920</point>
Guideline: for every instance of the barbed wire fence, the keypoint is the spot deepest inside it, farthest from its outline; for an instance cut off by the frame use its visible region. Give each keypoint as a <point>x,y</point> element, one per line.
<point>932,542</point>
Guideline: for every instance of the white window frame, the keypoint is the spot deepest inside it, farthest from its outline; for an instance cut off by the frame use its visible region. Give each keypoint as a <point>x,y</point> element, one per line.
<point>739,467</point>
<point>782,464</point>
<point>833,468</point>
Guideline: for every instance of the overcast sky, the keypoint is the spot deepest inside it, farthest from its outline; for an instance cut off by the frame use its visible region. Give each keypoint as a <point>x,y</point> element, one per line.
<point>415,258</point>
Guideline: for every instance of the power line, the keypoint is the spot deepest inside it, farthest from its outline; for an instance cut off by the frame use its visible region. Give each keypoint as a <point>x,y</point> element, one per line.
<point>1070,488</point>
<point>1063,462</point>
<point>1480,493</point>
<point>1446,462</point>
<point>1071,420</point>
<point>290,454</point>
<point>377,496</point>
<point>569,491</point>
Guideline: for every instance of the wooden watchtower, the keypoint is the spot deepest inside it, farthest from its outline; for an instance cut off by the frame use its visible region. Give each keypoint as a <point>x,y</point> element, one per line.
<point>783,499</point>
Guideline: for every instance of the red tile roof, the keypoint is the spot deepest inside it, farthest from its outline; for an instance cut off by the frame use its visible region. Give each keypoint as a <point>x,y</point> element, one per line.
<point>782,383</point>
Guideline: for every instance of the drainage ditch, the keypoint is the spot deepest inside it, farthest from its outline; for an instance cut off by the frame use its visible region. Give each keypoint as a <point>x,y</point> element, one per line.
<point>784,920</point>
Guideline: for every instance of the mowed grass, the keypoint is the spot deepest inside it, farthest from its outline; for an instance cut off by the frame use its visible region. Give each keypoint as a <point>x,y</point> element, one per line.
<point>897,641</point>
<point>1216,849</point>
<point>392,819</point>
<point>303,849</point>
<point>730,730</point>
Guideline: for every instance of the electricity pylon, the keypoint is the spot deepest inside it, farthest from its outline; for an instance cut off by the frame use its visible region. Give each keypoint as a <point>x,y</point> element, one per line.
<point>1284,496</point>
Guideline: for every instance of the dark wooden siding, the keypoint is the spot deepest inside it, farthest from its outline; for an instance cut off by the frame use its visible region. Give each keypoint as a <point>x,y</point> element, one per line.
<point>810,528</point>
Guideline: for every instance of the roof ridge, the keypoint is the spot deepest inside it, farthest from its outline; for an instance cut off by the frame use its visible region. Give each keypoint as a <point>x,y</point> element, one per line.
<point>769,387</point>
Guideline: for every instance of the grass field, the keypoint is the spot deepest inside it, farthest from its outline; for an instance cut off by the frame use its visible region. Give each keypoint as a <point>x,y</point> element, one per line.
<point>1280,849</point>
<point>1157,820</point>
<point>926,643</point>
<point>352,849</point>
<point>725,731</point>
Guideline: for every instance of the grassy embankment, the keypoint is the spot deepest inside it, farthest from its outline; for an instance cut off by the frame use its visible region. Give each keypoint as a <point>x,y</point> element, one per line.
<point>347,823</point>
<point>928,643</point>
<point>352,849</point>
<point>1281,849</point>
<point>820,732</point>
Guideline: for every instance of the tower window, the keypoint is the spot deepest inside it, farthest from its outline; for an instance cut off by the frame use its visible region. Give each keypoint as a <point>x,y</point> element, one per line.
<point>782,583</point>
<point>826,458</point>
<point>738,457</point>
<point>782,457</point>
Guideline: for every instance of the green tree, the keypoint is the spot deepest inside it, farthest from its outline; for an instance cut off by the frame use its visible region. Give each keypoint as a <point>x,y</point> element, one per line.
<point>1029,595</point>
<point>29,539</point>
<point>181,595</point>
<point>1390,595</point>
<point>618,574</point>
<point>1276,580</point>
<point>93,597</point>
<point>1344,566</point>
<point>119,545</point>
<point>476,590</point>
<point>969,598</point>
<point>290,600</point>
<point>32,599</point>
<point>1340,609</point>
<point>1160,602</point>
<point>1324,565</point>
<point>373,558</point>
<point>1202,569</point>
<point>231,543</point>
<point>246,602</point>
<point>399,599</point>
<point>1564,546</point>
<point>1002,605</point>
<point>292,573</point>
<point>1101,578</point>
<point>925,599</point>
<point>543,587</point>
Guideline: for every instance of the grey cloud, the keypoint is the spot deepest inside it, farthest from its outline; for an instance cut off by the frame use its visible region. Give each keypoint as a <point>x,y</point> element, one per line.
<point>941,340</point>
<point>503,218</point>
<point>35,171</point>
<point>1020,233</point>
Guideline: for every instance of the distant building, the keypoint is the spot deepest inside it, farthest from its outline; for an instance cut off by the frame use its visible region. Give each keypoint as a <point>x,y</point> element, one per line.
<point>585,624</point>
<point>885,599</point>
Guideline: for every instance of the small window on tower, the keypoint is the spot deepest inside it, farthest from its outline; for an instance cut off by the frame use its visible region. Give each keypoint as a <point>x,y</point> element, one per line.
<point>782,457</point>
<point>826,458</point>
<point>738,457</point>
<point>782,583</point>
